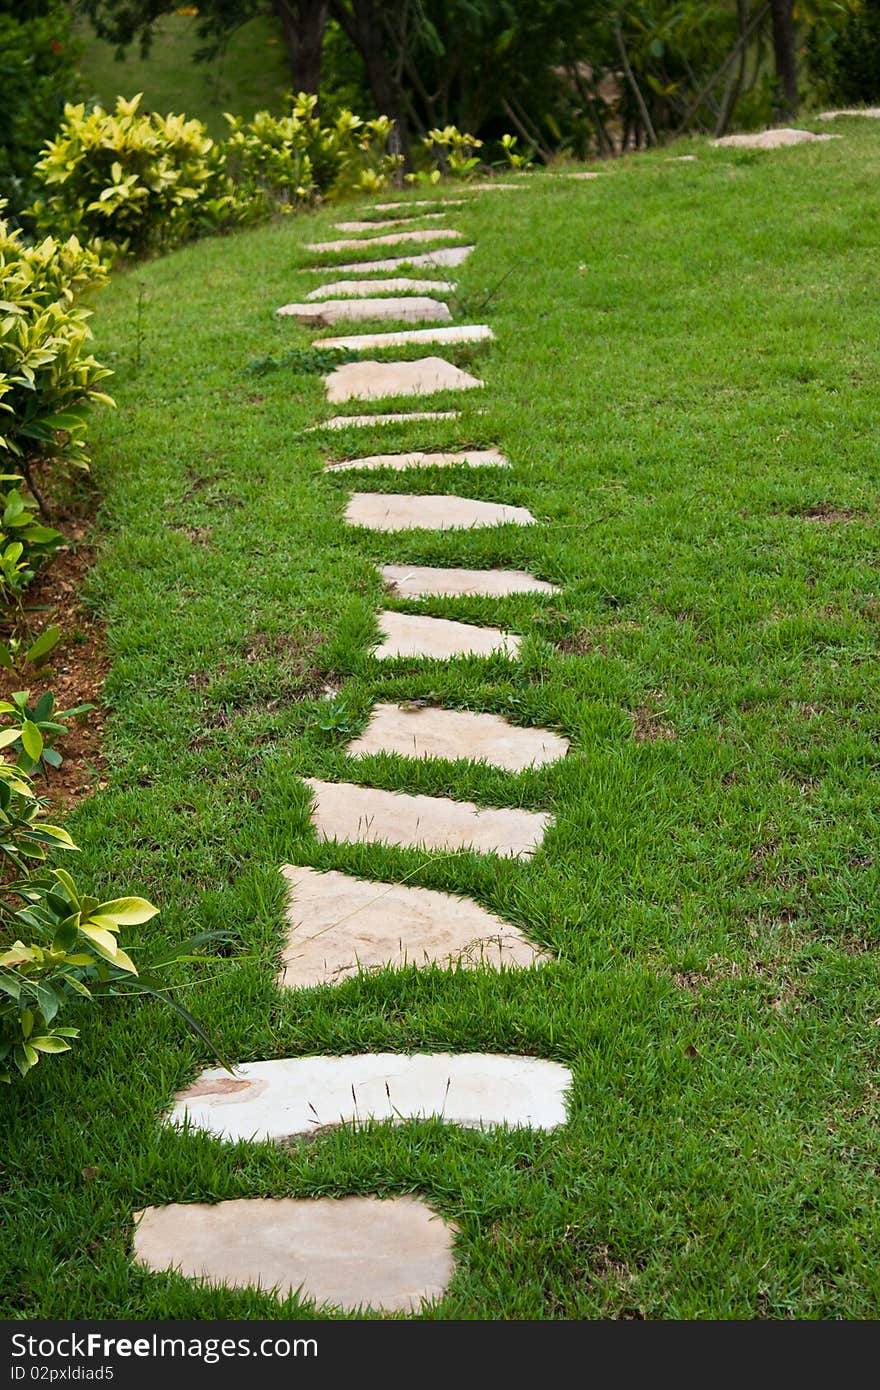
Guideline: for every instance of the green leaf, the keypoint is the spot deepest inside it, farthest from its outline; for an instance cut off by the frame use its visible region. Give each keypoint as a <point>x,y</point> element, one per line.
<point>50,1044</point>
<point>31,740</point>
<point>9,736</point>
<point>125,912</point>
<point>47,639</point>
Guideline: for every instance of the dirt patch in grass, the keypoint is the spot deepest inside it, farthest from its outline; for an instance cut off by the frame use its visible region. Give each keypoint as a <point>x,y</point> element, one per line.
<point>649,725</point>
<point>828,514</point>
<point>76,670</point>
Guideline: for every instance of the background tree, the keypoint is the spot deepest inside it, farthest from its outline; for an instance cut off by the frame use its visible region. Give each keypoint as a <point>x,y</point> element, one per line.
<point>37,74</point>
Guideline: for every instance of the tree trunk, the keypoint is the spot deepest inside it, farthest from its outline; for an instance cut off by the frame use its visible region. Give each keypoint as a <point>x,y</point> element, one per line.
<point>784,56</point>
<point>303,23</point>
<point>361,22</point>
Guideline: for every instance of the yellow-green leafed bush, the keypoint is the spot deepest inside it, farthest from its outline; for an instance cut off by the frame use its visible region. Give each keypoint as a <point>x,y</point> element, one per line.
<point>47,373</point>
<point>128,182</point>
<point>280,162</point>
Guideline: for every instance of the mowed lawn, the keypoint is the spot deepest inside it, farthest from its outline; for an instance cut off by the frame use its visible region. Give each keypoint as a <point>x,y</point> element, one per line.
<point>685,380</point>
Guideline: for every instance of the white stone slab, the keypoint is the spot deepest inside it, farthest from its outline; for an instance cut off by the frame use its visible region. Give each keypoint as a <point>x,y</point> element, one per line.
<point>682,159</point>
<point>771,139</point>
<point>367,815</point>
<point>373,381</point>
<point>412,337</point>
<point>378,223</point>
<point>493,186</point>
<point>391,1255</point>
<point>411,634</point>
<point>298,1095</point>
<point>428,260</point>
<point>420,203</point>
<point>338,926</point>
<point>406,309</point>
<point>871,111</point>
<point>428,731</point>
<point>388,239</point>
<point>366,289</point>
<point>344,422</point>
<point>403,511</point>
<point>582,174</point>
<point>462,458</point>
<point>418,581</point>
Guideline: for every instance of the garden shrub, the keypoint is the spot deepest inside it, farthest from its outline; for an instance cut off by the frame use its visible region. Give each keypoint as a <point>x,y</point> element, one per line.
<point>126,181</point>
<point>845,57</point>
<point>24,541</point>
<point>47,374</point>
<point>280,162</point>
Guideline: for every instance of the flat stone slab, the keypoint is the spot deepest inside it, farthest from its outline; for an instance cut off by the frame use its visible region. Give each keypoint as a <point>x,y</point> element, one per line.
<point>411,634</point>
<point>379,223</point>
<point>388,239</point>
<point>418,581</point>
<point>420,203</point>
<point>338,926</point>
<point>444,257</point>
<point>391,1255</point>
<point>467,458</point>
<point>493,186</point>
<point>358,289</point>
<point>770,139</point>
<point>344,422</point>
<point>583,174</point>
<point>682,159</point>
<point>458,333</point>
<point>871,111</point>
<point>367,815</point>
<point>373,381</point>
<point>428,731</point>
<point>403,511</point>
<point>298,1095</point>
<point>405,309</point>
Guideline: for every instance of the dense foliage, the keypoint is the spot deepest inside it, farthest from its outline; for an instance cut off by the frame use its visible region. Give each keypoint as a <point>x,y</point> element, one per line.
<point>845,56</point>
<point>37,75</point>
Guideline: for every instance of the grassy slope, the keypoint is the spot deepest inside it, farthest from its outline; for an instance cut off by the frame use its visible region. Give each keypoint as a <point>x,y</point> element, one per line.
<point>250,75</point>
<point>686,362</point>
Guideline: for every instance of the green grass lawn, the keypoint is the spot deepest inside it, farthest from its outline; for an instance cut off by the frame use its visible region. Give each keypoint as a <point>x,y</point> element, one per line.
<point>685,380</point>
<point>250,75</point>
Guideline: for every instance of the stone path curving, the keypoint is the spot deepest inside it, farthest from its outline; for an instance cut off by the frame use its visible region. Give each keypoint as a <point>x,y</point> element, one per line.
<point>356,1253</point>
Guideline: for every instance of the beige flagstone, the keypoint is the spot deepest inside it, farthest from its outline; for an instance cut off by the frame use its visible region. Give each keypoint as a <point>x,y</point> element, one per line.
<point>337,926</point>
<point>391,1254</point>
<point>583,174</point>
<point>366,289</point>
<point>287,1096</point>
<point>871,111</point>
<point>373,381</point>
<point>378,224</point>
<point>410,308</point>
<point>429,731</point>
<point>770,139</point>
<point>400,511</point>
<point>344,422</point>
<point>367,815</point>
<point>418,581</point>
<point>682,159</point>
<point>420,203</point>
<point>470,458</point>
<point>389,239</point>
<point>415,337</point>
<point>429,260</point>
<point>413,634</point>
<point>493,186</point>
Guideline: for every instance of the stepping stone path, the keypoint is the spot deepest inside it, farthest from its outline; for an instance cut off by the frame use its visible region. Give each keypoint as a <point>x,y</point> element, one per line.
<point>467,458</point>
<point>351,1252</point>
<point>420,203</point>
<point>367,815</point>
<point>420,581</point>
<point>290,1096</point>
<point>870,111</point>
<point>403,511</point>
<point>337,926</point>
<point>344,422</point>
<point>461,333</point>
<point>373,381</point>
<point>430,260</point>
<point>771,139</point>
<point>416,731</point>
<point>583,174</point>
<point>357,1253</point>
<point>412,309</point>
<point>357,289</point>
<point>380,222</point>
<point>411,634</point>
<point>388,239</point>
